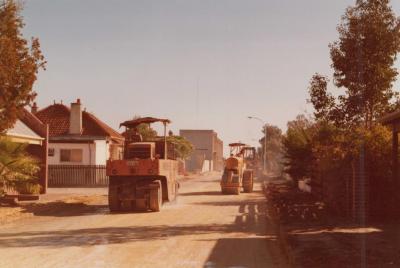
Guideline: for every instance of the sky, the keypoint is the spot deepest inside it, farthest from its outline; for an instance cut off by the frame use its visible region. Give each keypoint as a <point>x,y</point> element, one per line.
<point>205,64</point>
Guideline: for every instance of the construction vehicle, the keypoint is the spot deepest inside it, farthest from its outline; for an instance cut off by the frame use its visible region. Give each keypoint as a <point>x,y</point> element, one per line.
<point>251,160</point>
<point>146,176</point>
<point>236,175</point>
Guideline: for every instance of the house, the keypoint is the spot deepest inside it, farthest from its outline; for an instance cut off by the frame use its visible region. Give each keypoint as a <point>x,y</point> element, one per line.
<point>79,145</point>
<point>208,150</point>
<point>77,137</point>
<point>30,130</point>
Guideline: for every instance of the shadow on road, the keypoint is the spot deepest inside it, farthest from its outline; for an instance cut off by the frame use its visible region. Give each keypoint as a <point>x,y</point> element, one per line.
<point>251,219</point>
<point>239,252</point>
<point>200,193</point>
<point>239,203</point>
<point>208,193</point>
<point>208,181</point>
<point>345,245</point>
<point>106,235</point>
<point>64,209</point>
<point>259,250</point>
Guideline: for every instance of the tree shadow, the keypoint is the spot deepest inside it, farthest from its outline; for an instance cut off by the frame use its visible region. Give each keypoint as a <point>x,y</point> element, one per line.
<point>240,252</point>
<point>252,215</point>
<point>64,209</point>
<point>107,235</point>
<point>200,193</point>
<point>210,181</point>
<point>254,251</point>
<point>345,245</point>
<point>251,220</point>
<point>239,203</point>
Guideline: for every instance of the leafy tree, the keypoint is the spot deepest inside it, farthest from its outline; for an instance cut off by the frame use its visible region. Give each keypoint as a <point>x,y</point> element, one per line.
<point>183,147</point>
<point>19,64</point>
<point>17,169</point>
<point>321,99</point>
<point>363,59</point>
<point>298,143</point>
<point>147,132</point>
<point>274,148</point>
<point>329,150</point>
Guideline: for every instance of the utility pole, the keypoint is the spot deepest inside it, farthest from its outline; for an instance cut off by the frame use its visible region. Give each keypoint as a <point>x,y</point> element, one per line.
<point>265,141</point>
<point>197,102</point>
<point>265,147</point>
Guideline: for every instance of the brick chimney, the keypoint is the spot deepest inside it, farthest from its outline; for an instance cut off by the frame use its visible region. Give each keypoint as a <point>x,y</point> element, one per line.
<point>75,119</point>
<point>34,108</point>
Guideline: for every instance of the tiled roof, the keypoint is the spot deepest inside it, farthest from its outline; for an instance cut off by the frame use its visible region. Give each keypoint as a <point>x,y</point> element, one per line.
<point>57,116</point>
<point>33,123</point>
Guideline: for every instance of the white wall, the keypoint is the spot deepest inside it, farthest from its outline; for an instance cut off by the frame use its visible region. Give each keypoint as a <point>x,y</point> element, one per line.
<point>88,153</point>
<point>102,152</point>
<point>95,153</point>
<point>206,166</point>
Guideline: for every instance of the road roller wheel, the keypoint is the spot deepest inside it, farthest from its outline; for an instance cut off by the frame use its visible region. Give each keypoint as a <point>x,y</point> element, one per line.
<point>248,182</point>
<point>114,204</point>
<point>237,191</point>
<point>155,197</point>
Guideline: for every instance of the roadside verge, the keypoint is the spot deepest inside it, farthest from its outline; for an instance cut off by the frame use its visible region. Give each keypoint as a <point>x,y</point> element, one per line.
<point>54,205</point>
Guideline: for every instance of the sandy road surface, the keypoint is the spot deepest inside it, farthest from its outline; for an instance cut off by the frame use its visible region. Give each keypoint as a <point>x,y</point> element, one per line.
<point>201,229</point>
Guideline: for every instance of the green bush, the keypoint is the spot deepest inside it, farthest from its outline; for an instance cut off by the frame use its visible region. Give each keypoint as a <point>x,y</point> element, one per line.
<point>183,148</point>
<point>298,144</point>
<point>331,157</point>
<point>18,169</point>
<point>28,187</point>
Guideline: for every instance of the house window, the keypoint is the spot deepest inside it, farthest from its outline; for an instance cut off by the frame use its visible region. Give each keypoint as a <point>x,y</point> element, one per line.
<point>71,155</point>
<point>51,152</point>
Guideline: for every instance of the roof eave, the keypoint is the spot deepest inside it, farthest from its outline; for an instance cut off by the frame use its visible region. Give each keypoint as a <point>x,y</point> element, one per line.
<point>77,138</point>
<point>389,118</point>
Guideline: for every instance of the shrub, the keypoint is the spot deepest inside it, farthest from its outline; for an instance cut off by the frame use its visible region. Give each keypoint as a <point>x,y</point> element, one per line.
<point>17,169</point>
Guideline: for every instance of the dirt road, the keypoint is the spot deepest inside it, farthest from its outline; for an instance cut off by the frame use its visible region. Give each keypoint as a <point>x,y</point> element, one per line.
<point>201,229</point>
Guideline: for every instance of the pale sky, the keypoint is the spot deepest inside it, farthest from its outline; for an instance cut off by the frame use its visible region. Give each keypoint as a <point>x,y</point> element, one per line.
<point>148,58</point>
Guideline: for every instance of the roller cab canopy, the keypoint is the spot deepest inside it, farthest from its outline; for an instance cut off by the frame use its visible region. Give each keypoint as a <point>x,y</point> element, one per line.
<point>236,147</point>
<point>144,120</point>
<point>236,144</point>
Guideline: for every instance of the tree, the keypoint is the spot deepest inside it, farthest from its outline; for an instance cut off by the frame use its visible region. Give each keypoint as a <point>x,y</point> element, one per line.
<point>298,143</point>
<point>17,169</point>
<point>320,98</point>
<point>183,148</point>
<point>363,59</point>
<point>147,132</point>
<point>19,64</point>
<point>274,148</point>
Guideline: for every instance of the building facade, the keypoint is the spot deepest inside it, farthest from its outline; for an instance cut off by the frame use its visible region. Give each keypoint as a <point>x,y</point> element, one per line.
<point>77,137</point>
<point>208,150</point>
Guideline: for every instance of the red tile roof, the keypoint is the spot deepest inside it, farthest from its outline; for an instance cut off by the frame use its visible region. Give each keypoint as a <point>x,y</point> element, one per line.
<point>33,123</point>
<point>57,116</point>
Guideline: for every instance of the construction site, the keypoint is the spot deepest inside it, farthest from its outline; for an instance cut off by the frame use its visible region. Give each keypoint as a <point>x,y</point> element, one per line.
<point>199,134</point>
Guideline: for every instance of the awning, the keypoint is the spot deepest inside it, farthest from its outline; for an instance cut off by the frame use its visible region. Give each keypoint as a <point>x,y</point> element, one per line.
<point>21,133</point>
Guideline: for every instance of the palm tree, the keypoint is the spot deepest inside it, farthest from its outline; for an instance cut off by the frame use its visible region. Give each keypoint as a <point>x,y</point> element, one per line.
<point>17,169</point>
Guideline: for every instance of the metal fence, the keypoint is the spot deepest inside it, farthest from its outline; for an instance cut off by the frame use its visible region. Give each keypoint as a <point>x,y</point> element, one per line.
<point>77,176</point>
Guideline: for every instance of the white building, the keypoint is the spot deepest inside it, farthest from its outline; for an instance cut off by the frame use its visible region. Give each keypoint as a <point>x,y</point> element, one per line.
<point>208,150</point>
<point>77,137</point>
